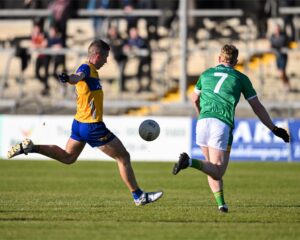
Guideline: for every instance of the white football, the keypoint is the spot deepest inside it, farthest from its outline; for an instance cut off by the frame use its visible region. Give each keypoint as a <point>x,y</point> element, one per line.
<point>149,130</point>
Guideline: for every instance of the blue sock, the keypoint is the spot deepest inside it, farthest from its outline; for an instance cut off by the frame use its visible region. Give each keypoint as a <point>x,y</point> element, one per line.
<point>137,193</point>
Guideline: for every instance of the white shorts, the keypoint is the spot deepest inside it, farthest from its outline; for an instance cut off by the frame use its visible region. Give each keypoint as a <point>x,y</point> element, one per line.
<point>211,132</point>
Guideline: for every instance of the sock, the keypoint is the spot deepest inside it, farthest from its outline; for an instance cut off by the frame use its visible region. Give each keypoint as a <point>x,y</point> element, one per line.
<point>219,196</point>
<point>137,193</point>
<point>35,149</point>
<point>195,163</point>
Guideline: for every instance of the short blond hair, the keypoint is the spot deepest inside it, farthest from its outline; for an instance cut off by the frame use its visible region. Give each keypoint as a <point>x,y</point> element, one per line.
<point>229,54</point>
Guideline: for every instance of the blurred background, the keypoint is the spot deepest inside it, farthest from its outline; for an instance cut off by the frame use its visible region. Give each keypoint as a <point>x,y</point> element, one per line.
<point>159,49</point>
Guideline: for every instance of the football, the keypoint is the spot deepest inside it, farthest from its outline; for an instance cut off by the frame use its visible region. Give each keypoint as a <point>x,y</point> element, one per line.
<point>149,130</point>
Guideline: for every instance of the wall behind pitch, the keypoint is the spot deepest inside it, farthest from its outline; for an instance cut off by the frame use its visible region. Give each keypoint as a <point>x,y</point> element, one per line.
<point>252,141</point>
<point>174,137</point>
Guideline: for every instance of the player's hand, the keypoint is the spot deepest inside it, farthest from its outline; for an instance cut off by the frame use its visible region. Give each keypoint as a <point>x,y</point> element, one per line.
<point>63,77</point>
<point>282,133</point>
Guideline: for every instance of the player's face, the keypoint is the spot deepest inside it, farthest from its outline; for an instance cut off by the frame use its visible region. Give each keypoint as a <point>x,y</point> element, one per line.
<point>101,59</point>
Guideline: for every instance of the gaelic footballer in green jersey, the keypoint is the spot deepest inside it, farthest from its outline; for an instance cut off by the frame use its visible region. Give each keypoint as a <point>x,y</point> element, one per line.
<point>215,98</point>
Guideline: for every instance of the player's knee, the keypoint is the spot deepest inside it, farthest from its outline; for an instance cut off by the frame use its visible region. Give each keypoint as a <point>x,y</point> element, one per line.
<point>217,177</point>
<point>218,173</point>
<point>125,159</point>
<point>69,160</point>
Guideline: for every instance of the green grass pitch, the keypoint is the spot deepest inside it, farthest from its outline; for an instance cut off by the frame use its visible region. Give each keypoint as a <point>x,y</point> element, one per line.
<point>87,200</point>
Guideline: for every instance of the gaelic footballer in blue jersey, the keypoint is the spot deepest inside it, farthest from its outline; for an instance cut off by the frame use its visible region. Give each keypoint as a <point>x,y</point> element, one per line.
<point>88,126</point>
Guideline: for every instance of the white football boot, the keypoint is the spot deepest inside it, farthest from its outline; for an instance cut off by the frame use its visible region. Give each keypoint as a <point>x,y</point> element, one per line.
<point>148,197</point>
<point>223,208</point>
<point>24,147</point>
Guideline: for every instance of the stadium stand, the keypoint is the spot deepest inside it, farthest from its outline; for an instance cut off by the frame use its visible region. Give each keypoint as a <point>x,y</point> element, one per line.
<point>19,90</point>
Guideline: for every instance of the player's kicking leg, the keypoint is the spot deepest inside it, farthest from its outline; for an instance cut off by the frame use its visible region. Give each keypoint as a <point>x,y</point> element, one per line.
<point>67,156</point>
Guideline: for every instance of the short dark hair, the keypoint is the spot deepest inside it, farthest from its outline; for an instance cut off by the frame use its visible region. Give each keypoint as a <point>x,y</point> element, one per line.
<point>98,45</point>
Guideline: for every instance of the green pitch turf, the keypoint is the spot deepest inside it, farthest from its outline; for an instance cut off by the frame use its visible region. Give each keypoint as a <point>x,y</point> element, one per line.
<point>87,200</point>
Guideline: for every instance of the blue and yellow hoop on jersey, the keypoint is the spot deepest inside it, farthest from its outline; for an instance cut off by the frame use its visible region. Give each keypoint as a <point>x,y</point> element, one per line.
<point>89,96</point>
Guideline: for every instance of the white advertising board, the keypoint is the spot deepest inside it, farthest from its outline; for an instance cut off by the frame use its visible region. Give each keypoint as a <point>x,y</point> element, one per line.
<point>175,136</point>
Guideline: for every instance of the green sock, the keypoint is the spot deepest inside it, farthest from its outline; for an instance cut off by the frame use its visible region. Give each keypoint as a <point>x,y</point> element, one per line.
<point>219,196</point>
<point>196,164</point>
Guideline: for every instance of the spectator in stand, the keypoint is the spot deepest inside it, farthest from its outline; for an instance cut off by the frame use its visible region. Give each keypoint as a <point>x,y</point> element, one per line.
<point>38,41</point>
<point>169,9</point>
<point>116,43</point>
<point>35,4</point>
<point>55,42</point>
<point>100,24</point>
<point>279,44</point>
<point>136,46</point>
<point>128,6</point>
<point>266,9</point>
<point>52,41</point>
<point>288,19</point>
<point>61,11</point>
<point>151,22</point>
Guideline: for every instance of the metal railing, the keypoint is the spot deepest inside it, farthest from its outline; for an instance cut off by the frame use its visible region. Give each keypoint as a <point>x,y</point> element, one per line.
<point>85,13</point>
<point>32,13</point>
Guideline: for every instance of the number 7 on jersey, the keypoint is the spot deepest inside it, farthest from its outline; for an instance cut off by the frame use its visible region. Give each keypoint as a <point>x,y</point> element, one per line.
<point>222,76</point>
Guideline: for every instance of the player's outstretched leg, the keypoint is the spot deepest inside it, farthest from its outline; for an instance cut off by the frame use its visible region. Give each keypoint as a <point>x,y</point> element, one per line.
<point>148,197</point>
<point>182,163</point>
<point>24,147</point>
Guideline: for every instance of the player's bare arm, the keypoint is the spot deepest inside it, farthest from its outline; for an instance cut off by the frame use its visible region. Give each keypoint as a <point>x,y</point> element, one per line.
<point>73,78</point>
<point>76,77</point>
<point>196,102</point>
<point>261,112</point>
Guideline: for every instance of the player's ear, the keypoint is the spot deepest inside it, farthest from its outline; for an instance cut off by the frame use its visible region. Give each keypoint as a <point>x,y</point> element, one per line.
<point>219,59</point>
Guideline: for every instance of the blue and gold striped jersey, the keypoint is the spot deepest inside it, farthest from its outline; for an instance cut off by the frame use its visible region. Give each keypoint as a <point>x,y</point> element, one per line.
<point>89,95</point>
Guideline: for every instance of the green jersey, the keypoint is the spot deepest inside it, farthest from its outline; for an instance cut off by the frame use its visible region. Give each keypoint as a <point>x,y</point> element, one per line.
<point>220,89</point>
